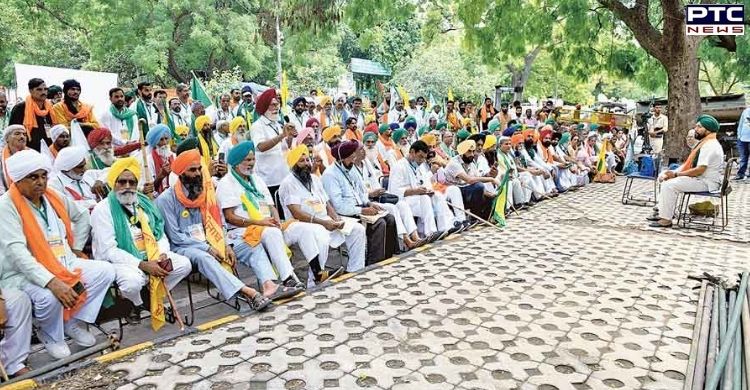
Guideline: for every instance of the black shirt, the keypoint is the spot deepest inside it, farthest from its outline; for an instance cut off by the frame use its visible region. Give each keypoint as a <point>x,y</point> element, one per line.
<point>38,133</point>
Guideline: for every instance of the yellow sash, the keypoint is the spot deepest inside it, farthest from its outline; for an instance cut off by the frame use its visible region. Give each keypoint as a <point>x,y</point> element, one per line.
<point>157,289</point>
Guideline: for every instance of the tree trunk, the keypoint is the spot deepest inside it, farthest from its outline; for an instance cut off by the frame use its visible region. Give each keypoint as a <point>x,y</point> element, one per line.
<point>519,76</point>
<point>684,104</point>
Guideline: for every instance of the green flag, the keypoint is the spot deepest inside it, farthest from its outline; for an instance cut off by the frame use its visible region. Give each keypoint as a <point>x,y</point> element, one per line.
<point>198,93</point>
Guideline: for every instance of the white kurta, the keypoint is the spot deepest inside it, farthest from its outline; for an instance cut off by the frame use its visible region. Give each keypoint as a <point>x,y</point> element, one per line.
<point>79,191</point>
<point>271,164</point>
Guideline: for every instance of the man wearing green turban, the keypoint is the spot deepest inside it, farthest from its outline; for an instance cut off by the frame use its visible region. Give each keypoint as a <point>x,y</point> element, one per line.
<point>702,171</point>
<point>462,135</point>
<point>441,126</point>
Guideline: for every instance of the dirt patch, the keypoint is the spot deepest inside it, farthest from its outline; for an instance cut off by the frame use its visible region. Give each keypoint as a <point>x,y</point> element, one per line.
<point>94,377</point>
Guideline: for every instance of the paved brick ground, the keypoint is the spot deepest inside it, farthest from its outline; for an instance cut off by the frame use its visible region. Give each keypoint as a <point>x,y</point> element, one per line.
<point>576,293</point>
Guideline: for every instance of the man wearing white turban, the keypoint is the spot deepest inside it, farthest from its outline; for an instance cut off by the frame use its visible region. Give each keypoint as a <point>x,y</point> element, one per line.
<point>66,291</point>
<point>60,139</point>
<point>70,178</point>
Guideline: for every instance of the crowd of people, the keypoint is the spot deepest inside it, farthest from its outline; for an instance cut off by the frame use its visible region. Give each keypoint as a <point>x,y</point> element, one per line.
<point>161,188</point>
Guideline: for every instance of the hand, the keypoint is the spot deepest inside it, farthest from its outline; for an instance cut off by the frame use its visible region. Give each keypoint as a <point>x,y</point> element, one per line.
<point>369,211</point>
<point>80,254</point>
<point>99,189</point>
<point>546,175</point>
<point>148,188</point>
<point>3,316</point>
<point>377,207</point>
<point>164,172</point>
<point>493,171</point>
<point>216,255</point>
<point>221,168</point>
<point>231,256</point>
<point>376,193</point>
<point>331,225</point>
<point>669,175</point>
<point>63,293</point>
<point>269,222</point>
<point>290,131</point>
<point>152,268</point>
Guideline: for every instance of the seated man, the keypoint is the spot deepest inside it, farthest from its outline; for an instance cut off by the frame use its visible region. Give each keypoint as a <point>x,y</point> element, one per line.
<point>347,200</point>
<point>461,171</point>
<point>331,137</point>
<point>129,233</point>
<point>518,194</point>
<point>252,218</point>
<point>65,289</point>
<point>702,171</point>
<point>532,178</point>
<point>413,184</point>
<point>303,198</point>
<point>15,331</point>
<point>60,137</point>
<point>71,180</point>
<point>192,221</point>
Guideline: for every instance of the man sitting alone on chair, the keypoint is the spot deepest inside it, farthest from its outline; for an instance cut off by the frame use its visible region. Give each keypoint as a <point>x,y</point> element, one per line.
<point>702,171</point>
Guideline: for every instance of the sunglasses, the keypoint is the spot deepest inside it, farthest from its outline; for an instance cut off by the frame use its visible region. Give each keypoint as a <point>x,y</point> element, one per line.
<point>127,182</point>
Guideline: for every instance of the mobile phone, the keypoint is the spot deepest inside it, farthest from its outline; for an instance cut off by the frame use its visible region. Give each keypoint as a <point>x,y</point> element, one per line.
<point>79,288</point>
<point>221,157</point>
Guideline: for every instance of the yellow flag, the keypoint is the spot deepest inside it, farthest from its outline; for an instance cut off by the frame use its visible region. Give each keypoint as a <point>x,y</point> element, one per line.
<point>450,95</point>
<point>601,164</point>
<point>214,232</point>
<point>157,289</point>
<point>284,92</point>
<point>404,95</point>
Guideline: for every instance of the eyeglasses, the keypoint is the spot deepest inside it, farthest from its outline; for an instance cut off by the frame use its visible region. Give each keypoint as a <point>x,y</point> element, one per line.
<point>127,182</point>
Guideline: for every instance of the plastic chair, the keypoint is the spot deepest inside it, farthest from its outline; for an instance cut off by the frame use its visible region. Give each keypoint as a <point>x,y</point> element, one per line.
<point>628,198</point>
<point>688,221</point>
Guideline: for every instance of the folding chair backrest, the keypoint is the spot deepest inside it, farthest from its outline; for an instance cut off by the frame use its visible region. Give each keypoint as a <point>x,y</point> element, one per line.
<point>647,166</point>
<point>727,174</point>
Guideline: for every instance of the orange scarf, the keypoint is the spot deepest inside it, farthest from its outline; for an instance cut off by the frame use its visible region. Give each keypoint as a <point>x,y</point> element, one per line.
<point>31,111</point>
<point>387,141</point>
<point>547,154</point>
<point>83,111</point>
<point>692,159</point>
<point>40,248</point>
<point>453,120</point>
<point>483,113</point>
<point>6,154</point>
<point>323,120</point>
<point>356,134</point>
<point>384,168</point>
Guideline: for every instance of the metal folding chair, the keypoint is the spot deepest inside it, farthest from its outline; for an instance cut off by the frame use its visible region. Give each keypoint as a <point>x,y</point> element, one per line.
<point>628,198</point>
<point>688,221</point>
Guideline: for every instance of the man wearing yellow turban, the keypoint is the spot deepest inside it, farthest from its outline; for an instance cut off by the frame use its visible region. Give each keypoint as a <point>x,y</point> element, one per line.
<point>237,132</point>
<point>302,196</point>
<point>331,137</point>
<point>462,171</point>
<point>129,233</point>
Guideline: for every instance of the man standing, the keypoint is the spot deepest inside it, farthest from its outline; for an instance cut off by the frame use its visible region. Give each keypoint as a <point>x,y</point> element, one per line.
<point>176,114</point>
<point>224,112</point>
<point>55,94</point>
<point>339,113</point>
<point>271,140</point>
<point>702,171</point>
<point>503,116</point>
<point>65,289</point>
<point>347,200</point>
<point>159,157</point>
<point>236,99</point>
<point>119,119</point>
<point>303,198</point>
<point>183,95</point>
<point>4,113</point>
<point>398,114</point>
<point>657,127</point>
<point>129,234</point>
<point>246,108</point>
<point>356,112</point>
<point>192,221</point>
<point>487,113</point>
<point>71,108</point>
<point>298,117</point>
<point>145,107</point>
<point>325,116</point>
<point>452,116</point>
<point>743,142</point>
<point>352,132</point>
<point>34,113</point>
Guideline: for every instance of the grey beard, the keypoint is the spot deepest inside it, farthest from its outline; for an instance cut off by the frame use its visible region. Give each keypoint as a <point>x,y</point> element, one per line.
<point>73,175</point>
<point>106,155</point>
<point>127,197</point>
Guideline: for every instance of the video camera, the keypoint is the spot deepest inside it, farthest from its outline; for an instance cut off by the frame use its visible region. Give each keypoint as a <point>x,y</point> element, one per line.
<point>643,129</point>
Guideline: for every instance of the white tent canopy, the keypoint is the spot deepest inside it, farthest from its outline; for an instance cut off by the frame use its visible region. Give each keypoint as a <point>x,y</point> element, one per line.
<point>95,86</point>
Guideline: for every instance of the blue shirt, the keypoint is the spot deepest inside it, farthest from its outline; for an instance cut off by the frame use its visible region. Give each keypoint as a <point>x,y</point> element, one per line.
<point>743,128</point>
<point>178,221</point>
<point>342,188</point>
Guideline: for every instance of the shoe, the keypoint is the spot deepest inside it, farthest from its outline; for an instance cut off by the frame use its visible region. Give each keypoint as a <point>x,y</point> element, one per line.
<point>134,317</point>
<point>443,234</point>
<point>653,218</point>
<point>74,329</point>
<point>327,274</point>
<point>58,350</point>
<point>738,178</point>
<point>283,292</point>
<point>291,282</point>
<point>259,302</point>
<point>656,224</point>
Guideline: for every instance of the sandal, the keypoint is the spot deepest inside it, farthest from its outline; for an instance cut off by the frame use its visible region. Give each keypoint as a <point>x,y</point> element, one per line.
<point>259,302</point>
<point>326,275</point>
<point>656,224</point>
<point>284,292</point>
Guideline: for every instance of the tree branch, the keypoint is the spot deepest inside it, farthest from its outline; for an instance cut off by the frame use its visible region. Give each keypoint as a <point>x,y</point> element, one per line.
<point>40,6</point>
<point>648,37</point>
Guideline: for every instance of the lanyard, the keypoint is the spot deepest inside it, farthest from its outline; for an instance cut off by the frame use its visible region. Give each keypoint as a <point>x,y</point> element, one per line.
<point>309,189</point>
<point>346,176</point>
<point>416,175</point>
<point>42,211</point>
<point>272,125</point>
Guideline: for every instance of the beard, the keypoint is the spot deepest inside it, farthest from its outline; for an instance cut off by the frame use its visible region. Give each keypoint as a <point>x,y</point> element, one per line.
<point>274,117</point>
<point>546,143</point>
<point>177,109</point>
<point>245,171</point>
<point>371,154</point>
<point>404,150</point>
<point>193,185</point>
<point>106,155</point>
<point>73,175</point>
<point>303,174</point>
<point>126,197</point>
<point>467,159</point>
<point>163,151</point>
<point>700,136</point>
<point>528,143</point>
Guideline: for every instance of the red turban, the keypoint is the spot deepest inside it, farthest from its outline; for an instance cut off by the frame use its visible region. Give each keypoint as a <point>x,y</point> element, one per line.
<point>184,160</point>
<point>310,122</point>
<point>264,100</point>
<point>372,128</point>
<point>546,131</point>
<point>342,150</point>
<point>97,135</point>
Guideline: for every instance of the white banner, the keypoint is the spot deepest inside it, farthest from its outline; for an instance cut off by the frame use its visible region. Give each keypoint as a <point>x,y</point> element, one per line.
<point>95,86</point>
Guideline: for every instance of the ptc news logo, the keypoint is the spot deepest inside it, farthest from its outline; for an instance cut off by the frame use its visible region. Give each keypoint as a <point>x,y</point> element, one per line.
<point>715,19</point>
